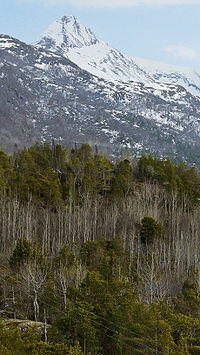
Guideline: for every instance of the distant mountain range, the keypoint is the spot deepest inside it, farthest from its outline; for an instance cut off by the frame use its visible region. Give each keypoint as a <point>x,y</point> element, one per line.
<point>72,87</point>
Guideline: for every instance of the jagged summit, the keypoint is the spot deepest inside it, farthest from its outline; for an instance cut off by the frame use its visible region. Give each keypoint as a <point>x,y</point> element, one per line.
<point>70,38</point>
<point>66,33</point>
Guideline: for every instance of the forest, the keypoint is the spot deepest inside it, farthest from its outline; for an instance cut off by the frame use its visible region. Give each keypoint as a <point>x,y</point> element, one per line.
<point>104,254</point>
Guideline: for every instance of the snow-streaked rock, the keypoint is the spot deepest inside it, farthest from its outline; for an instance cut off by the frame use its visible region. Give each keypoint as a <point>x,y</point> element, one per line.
<point>45,96</point>
<point>66,33</point>
<point>187,77</point>
<point>68,37</point>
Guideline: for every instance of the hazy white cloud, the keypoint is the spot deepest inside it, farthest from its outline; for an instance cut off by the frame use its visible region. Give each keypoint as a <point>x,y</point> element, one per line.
<point>183,51</point>
<point>114,3</point>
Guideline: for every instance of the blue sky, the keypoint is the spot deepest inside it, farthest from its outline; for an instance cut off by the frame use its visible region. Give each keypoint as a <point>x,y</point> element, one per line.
<point>162,30</point>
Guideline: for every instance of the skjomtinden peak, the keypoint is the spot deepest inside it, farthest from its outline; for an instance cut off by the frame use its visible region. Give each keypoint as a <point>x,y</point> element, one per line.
<point>64,34</point>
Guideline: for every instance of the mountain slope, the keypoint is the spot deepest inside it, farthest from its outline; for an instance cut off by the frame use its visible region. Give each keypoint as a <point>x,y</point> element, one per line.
<point>44,95</point>
<point>161,72</point>
<point>68,37</point>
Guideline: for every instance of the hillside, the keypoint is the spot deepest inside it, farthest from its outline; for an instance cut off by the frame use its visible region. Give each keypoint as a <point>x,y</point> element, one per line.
<point>45,96</point>
<point>105,254</point>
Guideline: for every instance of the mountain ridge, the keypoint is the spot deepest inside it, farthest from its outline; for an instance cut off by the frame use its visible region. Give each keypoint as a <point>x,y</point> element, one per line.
<point>97,57</point>
<point>45,96</point>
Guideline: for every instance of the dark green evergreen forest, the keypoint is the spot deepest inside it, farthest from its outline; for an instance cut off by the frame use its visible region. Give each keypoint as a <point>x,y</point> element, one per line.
<point>105,255</point>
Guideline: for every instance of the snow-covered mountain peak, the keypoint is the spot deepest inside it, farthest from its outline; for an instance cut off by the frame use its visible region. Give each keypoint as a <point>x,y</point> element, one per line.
<point>66,33</point>
<point>70,38</point>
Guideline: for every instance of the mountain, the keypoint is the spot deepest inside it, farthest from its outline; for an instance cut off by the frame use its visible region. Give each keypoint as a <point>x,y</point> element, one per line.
<point>187,77</point>
<point>69,37</point>
<point>45,96</point>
